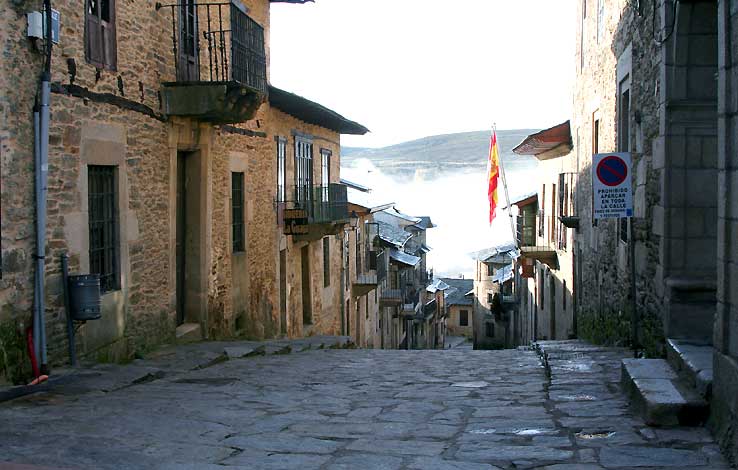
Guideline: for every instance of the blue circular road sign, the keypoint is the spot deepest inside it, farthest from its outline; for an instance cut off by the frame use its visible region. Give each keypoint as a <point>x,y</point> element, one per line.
<point>612,170</point>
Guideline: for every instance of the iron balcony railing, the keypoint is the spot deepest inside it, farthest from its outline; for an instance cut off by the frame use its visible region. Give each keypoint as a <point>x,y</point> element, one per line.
<point>526,229</point>
<point>390,297</point>
<point>541,230</point>
<point>217,42</point>
<point>381,266</point>
<point>321,204</point>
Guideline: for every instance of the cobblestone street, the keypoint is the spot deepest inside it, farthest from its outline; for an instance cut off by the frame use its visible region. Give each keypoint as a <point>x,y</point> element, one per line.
<point>357,409</point>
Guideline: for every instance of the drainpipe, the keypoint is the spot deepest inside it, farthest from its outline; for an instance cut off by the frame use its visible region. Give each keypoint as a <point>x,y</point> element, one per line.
<point>41,176</point>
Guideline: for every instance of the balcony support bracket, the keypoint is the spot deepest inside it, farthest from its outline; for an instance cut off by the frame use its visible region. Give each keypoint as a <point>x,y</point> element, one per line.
<point>216,102</point>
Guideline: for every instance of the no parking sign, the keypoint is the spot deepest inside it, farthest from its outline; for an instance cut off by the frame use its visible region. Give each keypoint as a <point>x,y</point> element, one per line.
<point>612,191</point>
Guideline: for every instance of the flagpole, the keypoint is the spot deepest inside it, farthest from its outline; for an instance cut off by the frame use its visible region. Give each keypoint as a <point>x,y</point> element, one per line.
<point>507,195</point>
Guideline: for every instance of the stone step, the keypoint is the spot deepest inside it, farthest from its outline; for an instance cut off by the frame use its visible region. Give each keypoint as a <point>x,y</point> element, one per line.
<point>188,333</point>
<point>656,392</point>
<point>693,363</point>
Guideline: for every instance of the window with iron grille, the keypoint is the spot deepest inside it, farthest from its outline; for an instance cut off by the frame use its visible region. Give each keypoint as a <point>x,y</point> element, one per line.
<point>326,262</point>
<point>303,169</point>
<point>102,197</point>
<point>464,318</point>
<point>248,50</point>
<point>237,206</point>
<point>281,172</point>
<point>325,172</point>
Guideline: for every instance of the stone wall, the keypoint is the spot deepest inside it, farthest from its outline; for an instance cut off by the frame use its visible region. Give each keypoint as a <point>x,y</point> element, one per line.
<point>113,117</point>
<point>725,399</point>
<point>454,325</point>
<point>326,303</point>
<point>625,49</point>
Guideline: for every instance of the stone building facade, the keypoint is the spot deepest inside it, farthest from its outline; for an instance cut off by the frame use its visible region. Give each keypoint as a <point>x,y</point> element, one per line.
<point>544,276</point>
<point>725,385</point>
<point>414,319</point>
<point>657,79</point>
<point>195,232</point>
<point>494,324</point>
<point>460,305</point>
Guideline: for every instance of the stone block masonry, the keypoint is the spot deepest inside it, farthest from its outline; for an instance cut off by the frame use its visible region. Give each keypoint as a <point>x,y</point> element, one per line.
<point>112,116</point>
<point>456,408</point>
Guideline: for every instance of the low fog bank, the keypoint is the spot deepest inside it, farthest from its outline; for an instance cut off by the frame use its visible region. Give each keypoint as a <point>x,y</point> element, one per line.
<point>456,200</point>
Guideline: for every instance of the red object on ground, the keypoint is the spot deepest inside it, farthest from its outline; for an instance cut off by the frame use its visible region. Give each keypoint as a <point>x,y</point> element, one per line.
<point>39,380</point>
<point>31,353</point>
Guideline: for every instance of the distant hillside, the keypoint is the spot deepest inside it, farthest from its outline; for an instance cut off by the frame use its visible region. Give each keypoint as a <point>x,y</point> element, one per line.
<point>466,151</point>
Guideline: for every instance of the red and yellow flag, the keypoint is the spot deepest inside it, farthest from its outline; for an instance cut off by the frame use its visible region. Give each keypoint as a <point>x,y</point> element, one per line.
<point>493,175</point>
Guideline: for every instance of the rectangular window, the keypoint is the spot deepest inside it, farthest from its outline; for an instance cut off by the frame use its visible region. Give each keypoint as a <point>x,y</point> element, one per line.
<point>581,35</point>
<point>490,270</point>
<point>326,262</point>
<point>281,171</point>
<point>100,43</point>
<point>541,215</point>
<point>552,218</point>
<point>358,251</point>
<point>490,297</point>
<point>596,136</point>
<point>325,171</point>
<point>595,149</point>
<point>104,225</point>
<point>624,137</point>
<point>489,329</point>
<point>303,169</point>
<point>464,318</point>
<point>237,206</point>
<point>347,254</point>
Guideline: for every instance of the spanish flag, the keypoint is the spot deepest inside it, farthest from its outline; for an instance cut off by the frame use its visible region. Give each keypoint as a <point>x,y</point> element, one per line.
<point>493,167</point>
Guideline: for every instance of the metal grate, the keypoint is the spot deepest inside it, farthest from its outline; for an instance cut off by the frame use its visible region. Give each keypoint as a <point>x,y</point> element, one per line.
<point>248,57</point>
<point>237,205</point>
<point>104,225</point>
<point>219,38</point>
<point>281,170</point>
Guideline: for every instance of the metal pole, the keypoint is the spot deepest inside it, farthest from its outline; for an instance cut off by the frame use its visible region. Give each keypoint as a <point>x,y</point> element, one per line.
<point>41,178</point>
<point>507,195</point>
<point>633,303</point>
<point>37,317</point>
<point>70,322</point>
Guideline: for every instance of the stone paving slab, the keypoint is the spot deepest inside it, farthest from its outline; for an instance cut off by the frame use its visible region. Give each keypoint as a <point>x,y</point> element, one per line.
<point>352,409</point>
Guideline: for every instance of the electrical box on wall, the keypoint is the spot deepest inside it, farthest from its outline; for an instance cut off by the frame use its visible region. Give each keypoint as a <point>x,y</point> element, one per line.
<point>37,25</point>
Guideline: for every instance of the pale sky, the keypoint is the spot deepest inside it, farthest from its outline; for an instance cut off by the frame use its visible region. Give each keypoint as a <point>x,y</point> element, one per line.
<point>412,68</point>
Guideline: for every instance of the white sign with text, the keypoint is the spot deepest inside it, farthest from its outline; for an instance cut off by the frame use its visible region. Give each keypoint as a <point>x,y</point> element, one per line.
<point>612,189</point>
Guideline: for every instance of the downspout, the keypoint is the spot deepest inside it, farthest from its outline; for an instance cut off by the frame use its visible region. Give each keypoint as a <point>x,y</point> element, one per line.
<point>41,176</point>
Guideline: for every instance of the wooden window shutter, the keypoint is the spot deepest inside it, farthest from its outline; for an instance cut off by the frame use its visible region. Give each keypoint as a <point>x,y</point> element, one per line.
<point>93,33</point>
<point>109,45</point>
<point>100,35</point>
